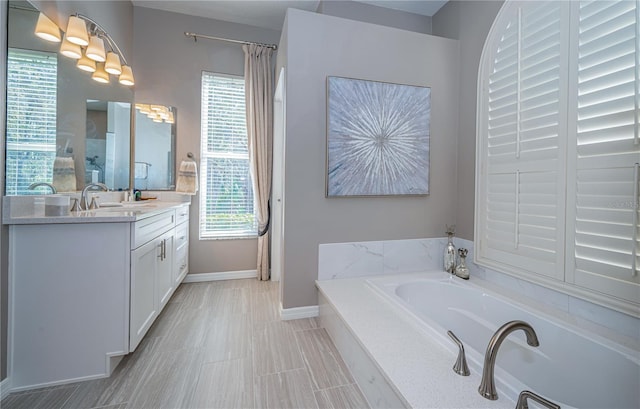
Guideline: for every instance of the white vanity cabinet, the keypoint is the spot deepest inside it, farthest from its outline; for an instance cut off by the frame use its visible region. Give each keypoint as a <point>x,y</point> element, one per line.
<point>85,288</point>
<point>157,267</point>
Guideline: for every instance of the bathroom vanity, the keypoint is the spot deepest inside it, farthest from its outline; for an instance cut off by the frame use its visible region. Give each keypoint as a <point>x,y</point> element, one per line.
<point>85,288</point>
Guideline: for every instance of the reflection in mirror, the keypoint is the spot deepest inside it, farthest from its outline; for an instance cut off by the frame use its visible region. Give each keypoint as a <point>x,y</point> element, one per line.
<point>107,143</point>
<point>47,112</point>
<point>155,141</point>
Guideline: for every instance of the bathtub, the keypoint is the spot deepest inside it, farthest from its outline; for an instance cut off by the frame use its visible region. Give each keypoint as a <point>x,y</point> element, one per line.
<point>572,367</point>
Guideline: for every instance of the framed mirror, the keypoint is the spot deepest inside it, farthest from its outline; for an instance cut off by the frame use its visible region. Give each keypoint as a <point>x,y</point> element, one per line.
<point>47,112</point>
<point>155,147</point>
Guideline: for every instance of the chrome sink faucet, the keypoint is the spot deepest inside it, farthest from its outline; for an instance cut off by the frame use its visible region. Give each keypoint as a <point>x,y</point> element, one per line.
<point>84,203</point>
<point>38,184</point>
<point>487,386</point>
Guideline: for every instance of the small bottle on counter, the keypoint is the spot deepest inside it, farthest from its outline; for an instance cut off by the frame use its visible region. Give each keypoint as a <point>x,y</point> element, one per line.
<point>462,270</point>
<point>450,251</point>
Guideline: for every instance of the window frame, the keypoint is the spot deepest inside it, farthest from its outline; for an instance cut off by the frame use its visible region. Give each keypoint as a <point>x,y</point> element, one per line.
<point>205,155</point>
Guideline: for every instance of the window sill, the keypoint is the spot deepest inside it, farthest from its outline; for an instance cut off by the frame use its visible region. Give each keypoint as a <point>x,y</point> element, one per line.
<point>214,238</point>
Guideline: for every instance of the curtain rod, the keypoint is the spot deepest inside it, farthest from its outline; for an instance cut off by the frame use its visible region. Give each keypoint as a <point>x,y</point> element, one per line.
<point>229,40</point>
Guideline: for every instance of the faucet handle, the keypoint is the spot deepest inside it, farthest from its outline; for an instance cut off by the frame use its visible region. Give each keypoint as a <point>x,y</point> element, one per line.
<point>460,367</point>
<point>524,395</point>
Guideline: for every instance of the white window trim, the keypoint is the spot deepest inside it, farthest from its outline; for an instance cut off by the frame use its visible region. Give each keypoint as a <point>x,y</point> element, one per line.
<point>204,155</point>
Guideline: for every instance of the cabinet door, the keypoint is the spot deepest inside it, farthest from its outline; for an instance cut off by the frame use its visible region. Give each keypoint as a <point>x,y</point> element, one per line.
<point>144,304</point>
<point>165,268</point>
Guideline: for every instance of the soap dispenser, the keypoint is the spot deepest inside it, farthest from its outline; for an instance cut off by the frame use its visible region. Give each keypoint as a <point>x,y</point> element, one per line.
<point>450,251</point>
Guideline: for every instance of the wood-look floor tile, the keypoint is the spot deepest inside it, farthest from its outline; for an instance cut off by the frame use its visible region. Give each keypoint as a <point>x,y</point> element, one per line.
<point>47,398</point>
<point>342,397</point>
<point>120,406</point>
<point>265,306</point>
<point>303,324</point>
<point>228,337</point>
<point>196,295</point>
<point>164,324</point>
<point>188,332</point>
<point>285,390</point>
<point>226,384</point>
<point>119,387</point>
<point>275,348</point>
<point>169,381</point>
<point>326,367</point>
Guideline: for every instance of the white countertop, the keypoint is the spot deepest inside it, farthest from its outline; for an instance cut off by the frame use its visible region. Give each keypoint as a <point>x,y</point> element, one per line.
<point>125,214</point>
<point>419,368</point>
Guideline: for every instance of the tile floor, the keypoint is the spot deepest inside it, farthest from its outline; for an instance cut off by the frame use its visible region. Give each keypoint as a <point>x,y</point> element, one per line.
<point>217,345</point>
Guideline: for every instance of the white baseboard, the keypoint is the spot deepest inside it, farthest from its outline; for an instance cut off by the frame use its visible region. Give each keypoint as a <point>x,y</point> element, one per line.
<point>299,312</point>
<point>225,275</point>
<point>5,387</point>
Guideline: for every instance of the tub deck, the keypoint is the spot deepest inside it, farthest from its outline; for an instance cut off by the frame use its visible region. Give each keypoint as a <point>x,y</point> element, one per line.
<point>417,369</point>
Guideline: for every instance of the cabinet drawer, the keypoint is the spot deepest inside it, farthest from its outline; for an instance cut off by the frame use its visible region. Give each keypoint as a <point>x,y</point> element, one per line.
<point>147,229</point>
<point>182,214</point>
<point>182,235</point>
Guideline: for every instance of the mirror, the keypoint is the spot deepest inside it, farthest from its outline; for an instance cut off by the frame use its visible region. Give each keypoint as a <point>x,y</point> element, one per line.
<point>155,142</point>
<point>107,149</point>
<point>47,114</point>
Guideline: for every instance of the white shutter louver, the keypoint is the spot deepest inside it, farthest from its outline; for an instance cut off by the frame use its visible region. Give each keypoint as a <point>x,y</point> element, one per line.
<point>607,151</point>
<point>521,167</point>
<point>226,200</point>
<point>31,119</point>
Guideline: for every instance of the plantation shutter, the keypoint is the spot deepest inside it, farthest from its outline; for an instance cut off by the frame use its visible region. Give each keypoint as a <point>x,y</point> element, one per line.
<point>31,119</point>
<point>520,217</point>
<point>226,200</point>
<point>605,252</point>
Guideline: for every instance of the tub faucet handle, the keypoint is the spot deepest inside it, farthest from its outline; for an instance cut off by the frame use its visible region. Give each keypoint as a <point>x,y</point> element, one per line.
<point>524,395</point>
<point>460,367</point>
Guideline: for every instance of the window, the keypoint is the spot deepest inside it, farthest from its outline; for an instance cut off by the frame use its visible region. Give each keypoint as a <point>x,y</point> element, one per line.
<point>558,148</point>
<point>31,119</point>
<point>226,199</point>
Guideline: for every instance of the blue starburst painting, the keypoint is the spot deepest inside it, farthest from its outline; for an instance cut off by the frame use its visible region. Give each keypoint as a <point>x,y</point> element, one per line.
<point>377,138</point>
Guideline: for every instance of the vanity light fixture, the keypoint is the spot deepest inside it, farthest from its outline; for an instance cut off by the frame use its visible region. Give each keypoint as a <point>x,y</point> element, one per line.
<point>112,64</point>
<point>157,113</point>
<point>100,75</point>
<point>71,50</point>
<point>86,64</point>
<point>85,41</point>
<point>47,29</point>
<point>77,31</point>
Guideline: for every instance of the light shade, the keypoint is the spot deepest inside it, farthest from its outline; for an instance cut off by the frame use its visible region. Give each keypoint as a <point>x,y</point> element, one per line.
<point>68,49</point>
<point>112,64</point>
<point>47,29</point>
<point>100,75</point>
<point>145,109</point>
<point>86,64</point>
<point>95,49</point>
<point>126,78</point>
<point>77,31</point>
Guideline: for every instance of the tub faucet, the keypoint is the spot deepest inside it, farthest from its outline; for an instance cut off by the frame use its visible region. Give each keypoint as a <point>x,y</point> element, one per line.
<point>84,203</point>
<point>487,386</point>
<point>38,184</point>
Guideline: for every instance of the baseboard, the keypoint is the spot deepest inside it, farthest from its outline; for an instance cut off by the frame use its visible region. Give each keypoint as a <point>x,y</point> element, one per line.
<point>299,312</point>
<point>5,387</point>
<point>225,275</point>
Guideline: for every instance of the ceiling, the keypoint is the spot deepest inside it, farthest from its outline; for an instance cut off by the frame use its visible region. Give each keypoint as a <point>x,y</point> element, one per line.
<point>270,13</point>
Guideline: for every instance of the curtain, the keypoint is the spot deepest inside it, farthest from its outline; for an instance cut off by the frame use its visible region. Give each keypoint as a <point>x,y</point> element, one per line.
<point>259,101</point>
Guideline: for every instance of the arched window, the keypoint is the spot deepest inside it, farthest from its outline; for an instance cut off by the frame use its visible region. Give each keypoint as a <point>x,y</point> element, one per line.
<point>558,148</point>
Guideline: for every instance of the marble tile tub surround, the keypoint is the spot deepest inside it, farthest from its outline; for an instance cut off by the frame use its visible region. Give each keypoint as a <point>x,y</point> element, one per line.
<point>370,258</point>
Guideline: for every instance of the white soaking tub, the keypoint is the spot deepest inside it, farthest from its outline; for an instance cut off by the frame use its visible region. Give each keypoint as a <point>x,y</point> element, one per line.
<point>572,367</point>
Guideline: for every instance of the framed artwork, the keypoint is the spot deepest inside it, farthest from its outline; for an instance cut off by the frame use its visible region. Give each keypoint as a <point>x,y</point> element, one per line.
<point>377,138</point>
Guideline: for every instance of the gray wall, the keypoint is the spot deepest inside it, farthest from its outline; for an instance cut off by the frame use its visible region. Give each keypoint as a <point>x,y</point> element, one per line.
<point>318,46</point>
<point>168,68</point>
<point>469,22</point>
<point>376,15</point>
